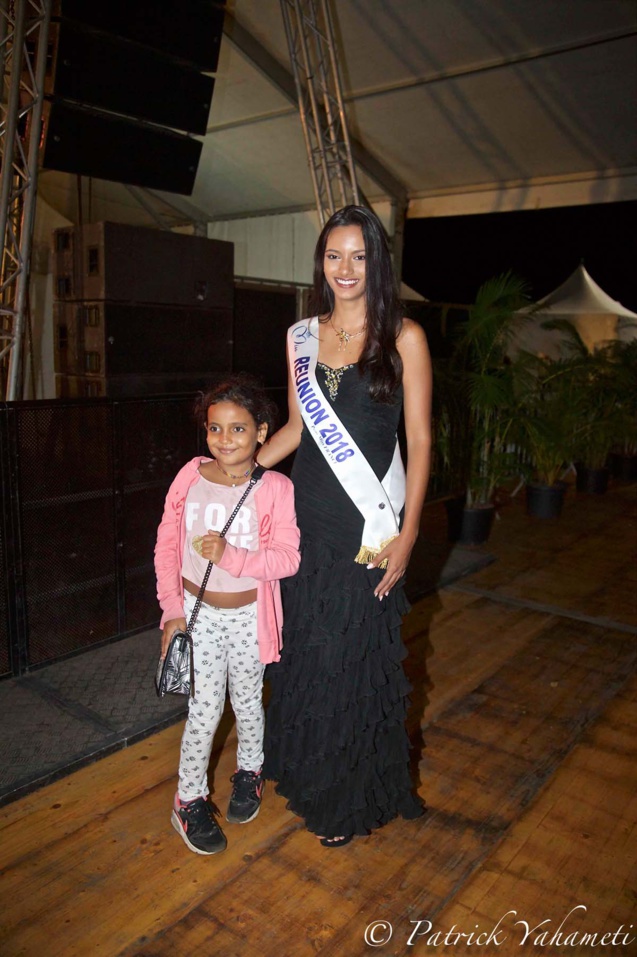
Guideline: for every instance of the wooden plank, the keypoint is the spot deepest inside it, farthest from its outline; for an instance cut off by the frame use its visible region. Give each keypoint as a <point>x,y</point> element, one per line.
<point>66,806</point>
<point>92,865</point>
<point>440,661</point>
<point>579,840</point>
<point>455,641</point>
<point>129,870</point>
<point>480,784</point>
<point>569,563</point>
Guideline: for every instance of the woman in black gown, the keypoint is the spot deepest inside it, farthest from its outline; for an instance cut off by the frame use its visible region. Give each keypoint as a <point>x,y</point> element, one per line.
<point>335,736</point>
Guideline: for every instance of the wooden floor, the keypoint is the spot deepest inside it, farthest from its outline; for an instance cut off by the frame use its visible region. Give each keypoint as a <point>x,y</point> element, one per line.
<point>526,698</point>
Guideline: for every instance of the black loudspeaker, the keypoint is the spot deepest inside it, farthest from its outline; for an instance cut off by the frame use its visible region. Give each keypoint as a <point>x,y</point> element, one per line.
<point>262,317</point>
<point>127,75</point>
<point>147,340</point>
<point>114,75</point>
<point>129,386</point>
<point>122,263</point>
<point>112,348</point>
<point>187,30</point>
<point>80,140</point>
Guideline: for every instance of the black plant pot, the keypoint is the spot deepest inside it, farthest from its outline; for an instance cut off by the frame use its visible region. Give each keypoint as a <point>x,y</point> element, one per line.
<point>468,526</point>
<point>592,481</point>
<point>455,507</point>
<point>623,467</point>
<point>545,501</point>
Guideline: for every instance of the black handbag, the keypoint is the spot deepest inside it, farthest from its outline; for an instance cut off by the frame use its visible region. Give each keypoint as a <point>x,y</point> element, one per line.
<point>176,672</point>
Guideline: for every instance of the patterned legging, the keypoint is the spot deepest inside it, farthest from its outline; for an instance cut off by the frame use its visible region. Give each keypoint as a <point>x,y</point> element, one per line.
<point>225,651</point>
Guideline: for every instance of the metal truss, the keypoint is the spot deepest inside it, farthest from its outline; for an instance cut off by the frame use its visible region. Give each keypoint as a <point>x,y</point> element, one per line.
<point>314,58</point>
<point>24,35</point>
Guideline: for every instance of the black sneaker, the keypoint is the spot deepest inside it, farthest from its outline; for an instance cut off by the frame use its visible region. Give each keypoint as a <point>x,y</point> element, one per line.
<point>195,821</point>
<point>246,796</point>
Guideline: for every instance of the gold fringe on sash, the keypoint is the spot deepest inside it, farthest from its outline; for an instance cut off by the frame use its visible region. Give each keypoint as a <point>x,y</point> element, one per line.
<point>367,554</point>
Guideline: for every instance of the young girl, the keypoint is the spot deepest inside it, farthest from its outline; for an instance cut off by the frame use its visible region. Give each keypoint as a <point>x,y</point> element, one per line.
<point>238,628</point>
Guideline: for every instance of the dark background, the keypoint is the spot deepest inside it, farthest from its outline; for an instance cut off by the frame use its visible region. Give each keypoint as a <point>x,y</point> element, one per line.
<point>447,259</point>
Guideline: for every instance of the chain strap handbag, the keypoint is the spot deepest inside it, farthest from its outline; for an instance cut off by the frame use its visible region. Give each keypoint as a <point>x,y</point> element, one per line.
<point>176,672</point>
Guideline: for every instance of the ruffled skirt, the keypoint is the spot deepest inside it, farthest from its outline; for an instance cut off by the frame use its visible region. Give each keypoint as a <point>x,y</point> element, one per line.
<point>335,736</point>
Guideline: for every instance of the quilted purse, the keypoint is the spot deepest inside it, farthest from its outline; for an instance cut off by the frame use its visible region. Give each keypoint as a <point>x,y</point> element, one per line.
<point>176,672</point>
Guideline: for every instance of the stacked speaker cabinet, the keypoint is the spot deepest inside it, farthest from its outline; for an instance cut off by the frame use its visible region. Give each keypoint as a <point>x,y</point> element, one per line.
<point>128,91</point>
<point>140,311</point>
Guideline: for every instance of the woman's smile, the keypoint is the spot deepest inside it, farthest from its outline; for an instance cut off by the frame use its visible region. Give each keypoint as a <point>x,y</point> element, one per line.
<point>345,282</point>
<point>344,262</point>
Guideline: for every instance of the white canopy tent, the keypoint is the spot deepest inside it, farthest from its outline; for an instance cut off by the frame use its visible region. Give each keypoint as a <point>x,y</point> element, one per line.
<point>595,315</point>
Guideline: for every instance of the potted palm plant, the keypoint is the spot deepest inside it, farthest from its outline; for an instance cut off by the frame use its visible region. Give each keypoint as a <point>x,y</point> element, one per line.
<point>600,387</point>
<point>547,429</point>
<point>573,410</point>
<point>486,373</point>
<point>450,427</point>
<point>623,456</point>
<point>450,464</point>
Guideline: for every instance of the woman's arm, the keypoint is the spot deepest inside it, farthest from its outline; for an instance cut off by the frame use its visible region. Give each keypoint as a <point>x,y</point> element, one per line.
<point>417,381</point>
<point>417,378</point>
<point>287,439</point>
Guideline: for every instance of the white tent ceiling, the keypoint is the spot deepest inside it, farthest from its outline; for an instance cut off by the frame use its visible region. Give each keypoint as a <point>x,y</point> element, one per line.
<point>457,105</point>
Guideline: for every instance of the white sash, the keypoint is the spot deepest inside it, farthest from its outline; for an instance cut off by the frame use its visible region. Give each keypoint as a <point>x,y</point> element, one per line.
<point>380,503</point>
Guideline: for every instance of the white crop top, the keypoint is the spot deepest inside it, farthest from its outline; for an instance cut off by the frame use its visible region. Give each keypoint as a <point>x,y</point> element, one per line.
<point>208,507</point>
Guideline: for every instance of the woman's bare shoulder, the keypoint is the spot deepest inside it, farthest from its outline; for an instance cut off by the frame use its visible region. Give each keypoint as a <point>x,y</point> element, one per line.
<point>411,335</point>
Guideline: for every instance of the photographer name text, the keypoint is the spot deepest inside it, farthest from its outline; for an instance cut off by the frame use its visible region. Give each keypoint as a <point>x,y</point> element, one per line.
<point>544,933</point>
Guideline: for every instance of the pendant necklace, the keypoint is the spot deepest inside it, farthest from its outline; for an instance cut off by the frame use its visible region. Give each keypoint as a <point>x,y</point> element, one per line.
<point>345,337</point>
<point>231,476</point>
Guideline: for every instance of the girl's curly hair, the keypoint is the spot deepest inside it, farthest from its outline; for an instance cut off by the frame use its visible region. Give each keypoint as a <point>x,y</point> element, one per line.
<point>243,390</point>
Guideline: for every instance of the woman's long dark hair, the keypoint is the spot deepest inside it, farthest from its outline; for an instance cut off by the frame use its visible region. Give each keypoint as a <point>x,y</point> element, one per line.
<point>383,309</point>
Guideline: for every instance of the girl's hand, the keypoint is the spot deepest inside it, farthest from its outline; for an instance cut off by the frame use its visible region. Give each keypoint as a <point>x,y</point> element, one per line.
<point>213,547</point>
<point>175,624</point>
<point>398,552</point>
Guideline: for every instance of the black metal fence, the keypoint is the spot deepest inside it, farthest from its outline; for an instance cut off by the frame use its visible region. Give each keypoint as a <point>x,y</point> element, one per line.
<point>83,487</point>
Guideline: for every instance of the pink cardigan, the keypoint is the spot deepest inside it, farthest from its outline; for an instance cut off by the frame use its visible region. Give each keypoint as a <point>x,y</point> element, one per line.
<point>277,556</point>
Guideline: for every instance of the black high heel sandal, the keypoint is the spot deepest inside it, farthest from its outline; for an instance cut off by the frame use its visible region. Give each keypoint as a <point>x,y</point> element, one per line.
<point>336,842</point>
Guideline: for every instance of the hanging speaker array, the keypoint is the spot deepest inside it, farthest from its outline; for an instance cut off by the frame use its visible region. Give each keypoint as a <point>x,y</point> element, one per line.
<point>128,91</point>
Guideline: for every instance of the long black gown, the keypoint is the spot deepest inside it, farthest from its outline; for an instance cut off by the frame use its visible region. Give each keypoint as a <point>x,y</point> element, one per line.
<point>335,737</point>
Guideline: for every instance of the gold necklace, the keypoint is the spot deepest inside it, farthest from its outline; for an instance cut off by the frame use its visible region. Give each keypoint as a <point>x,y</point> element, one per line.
<point>345,337</point>
<point>230,475</point>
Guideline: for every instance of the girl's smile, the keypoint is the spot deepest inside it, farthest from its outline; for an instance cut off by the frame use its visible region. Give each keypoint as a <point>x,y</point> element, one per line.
<point>232,435</point>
